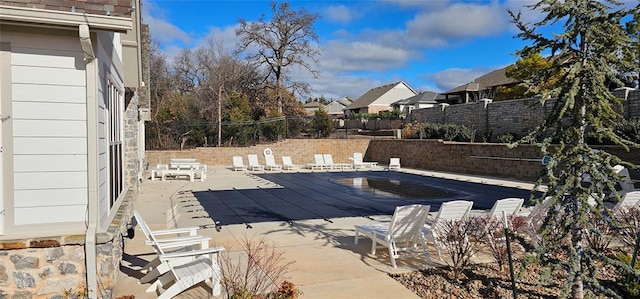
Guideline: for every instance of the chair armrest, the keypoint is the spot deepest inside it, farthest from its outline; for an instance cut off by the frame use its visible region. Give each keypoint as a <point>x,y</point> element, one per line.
<point>193,230</point>
<point>206,251</point>
<point>176,240</point>
<point>203,241</point>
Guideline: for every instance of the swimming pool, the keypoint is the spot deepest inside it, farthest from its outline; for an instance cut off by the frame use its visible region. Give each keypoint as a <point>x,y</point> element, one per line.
<point>327,195</point>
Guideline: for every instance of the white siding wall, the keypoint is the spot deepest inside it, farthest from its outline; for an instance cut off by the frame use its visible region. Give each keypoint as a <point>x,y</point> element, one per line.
<point>49,129</point>
<point>398,92</point>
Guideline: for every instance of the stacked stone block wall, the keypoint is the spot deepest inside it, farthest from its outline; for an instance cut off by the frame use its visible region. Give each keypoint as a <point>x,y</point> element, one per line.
<point>300,150</point>
<point>484,159</point>
<point>132,142</point>
<point>55,267</point>
<point>517,117</point>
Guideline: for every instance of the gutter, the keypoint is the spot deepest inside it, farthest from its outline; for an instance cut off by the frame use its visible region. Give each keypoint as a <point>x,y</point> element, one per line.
<point>92,168</point>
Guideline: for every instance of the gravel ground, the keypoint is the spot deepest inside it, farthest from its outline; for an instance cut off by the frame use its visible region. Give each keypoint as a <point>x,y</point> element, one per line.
<point>484,281</point>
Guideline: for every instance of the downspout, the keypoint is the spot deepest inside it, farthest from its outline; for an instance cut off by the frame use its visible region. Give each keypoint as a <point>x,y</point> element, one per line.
<point>92,169</point>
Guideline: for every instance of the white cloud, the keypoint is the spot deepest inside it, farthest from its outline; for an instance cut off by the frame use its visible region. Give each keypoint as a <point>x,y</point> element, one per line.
<point>160,29</point>
<point>339,14</point>
<point>455,77</point>
<point>458,21</point>
<point>361,56</point>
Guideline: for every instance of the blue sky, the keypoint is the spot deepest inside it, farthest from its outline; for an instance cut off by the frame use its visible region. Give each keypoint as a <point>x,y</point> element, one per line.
<point>433,45</point>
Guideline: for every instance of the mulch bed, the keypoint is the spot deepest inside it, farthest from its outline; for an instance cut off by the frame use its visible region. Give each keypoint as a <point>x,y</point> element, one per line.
<point>485,281</point>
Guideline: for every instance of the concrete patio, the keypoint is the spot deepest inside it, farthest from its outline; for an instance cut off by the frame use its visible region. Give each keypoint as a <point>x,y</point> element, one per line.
<point>326,262</point>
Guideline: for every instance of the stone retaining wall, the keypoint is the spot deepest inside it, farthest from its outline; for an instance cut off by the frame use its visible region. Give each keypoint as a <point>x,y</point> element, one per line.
<point>300,150</point>
<point>517,117</point>
<point>486,159</point>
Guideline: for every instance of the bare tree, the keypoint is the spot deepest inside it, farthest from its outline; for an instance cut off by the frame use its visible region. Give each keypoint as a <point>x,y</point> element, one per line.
<point>282,42</point>
<point>225,73</point>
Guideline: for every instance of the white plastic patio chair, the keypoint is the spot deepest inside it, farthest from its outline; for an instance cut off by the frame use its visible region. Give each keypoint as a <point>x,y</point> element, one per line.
<point>629,200</point>
<point>358,162</point>
<point>328,162</point>
<point>253,163</point>
<point>394,164</point>
<point>238,164</point>
<point>287,163</point>
<point>183,276</point>
<point>511,206</point>
<point>319,162</point>
<point>401,236</point>
<point>449,211</point>
<point>182,270</point>
<point>182,239</point>
<point>270,163</point>
<point>626,184</point>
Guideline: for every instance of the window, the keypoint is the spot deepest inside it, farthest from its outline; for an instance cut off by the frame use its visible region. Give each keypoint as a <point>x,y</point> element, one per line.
<point>116,179</point>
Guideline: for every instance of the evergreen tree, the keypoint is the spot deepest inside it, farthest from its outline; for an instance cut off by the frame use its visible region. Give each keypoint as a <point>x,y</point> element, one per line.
<point>322,123</point>
<point>238,115</point>
<point>590,52</point>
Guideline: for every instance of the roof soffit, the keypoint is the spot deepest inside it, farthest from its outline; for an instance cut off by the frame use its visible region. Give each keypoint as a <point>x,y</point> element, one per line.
<point>44,17</point>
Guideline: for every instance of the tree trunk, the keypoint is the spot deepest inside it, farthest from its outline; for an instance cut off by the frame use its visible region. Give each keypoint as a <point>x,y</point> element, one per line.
<point>219,115</point>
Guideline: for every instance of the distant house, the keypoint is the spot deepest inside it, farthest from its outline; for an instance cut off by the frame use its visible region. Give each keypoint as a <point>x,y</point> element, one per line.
<point>380,98</point>
<point>311,107</point>
<point>335,109</point>
<point>483,87</point>
<point>425,99</point>
<point>73,105</point>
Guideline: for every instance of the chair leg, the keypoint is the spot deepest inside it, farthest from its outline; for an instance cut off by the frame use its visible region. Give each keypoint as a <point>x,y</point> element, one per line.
<point>393,254</point>
<point>355,240</point>
<point>373,246</point>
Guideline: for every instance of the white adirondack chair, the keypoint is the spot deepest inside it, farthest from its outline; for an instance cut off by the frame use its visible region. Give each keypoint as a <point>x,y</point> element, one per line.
<point>187,269</point>
<point>181,239</point>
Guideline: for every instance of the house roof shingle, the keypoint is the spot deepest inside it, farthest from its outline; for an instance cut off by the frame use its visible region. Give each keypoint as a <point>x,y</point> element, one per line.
<point>426,97</point>
<point>494,78</point>
<point>373,94</point>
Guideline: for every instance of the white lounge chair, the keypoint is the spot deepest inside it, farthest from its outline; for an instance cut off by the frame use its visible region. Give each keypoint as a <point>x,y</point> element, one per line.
<point>449,211</point>
<point>626,184</point>
<point>253,163</point>
<point>401,235</point>
<point>270,163</point>
<point>629,200</point>
<point>394,163</point>
<point>287,163</point>
<point>359,163</point>
<point>328,162</point>
<point>319,162</point>
<point>511,206</point>
<point>238,164</point>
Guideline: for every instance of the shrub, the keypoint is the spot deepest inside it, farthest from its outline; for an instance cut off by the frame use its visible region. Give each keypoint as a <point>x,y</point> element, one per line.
<point>629,129</point>
<point>448,132</point>
<point>258,271</point>
<point>629,224</point>
<point>494,238</point>
<point>458,246</point>
<point>506,138</point>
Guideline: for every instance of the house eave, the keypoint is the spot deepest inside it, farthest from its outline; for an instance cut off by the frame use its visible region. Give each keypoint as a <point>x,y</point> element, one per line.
<point>44,17</point>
